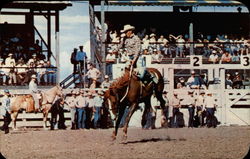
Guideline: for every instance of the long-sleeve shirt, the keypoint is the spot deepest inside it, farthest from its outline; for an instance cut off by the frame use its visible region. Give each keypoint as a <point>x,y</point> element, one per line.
<point>175,102</point>
<point>81,102</point>
<point>91,102</point>
<point>200,100</point>
<point>190,101</point>
<point>133,45</point>
<point>98,101</point>
<point>71,102</point>
<point>5,105</point>
<point>32,86</point>
<point>209,102</point>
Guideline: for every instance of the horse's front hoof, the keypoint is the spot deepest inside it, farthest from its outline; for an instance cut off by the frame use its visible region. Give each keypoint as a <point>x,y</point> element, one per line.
<point>113,137</point>
<point>124,139</point>
<point>15,129</point>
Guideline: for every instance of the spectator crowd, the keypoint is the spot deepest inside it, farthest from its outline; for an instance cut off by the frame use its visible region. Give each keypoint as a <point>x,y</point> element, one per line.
<point>19,60</point>
<point>219,48</point>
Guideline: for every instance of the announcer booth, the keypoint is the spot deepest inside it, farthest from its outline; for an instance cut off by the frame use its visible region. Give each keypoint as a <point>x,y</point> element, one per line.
<point>192,19</point>
<point>18,22</point>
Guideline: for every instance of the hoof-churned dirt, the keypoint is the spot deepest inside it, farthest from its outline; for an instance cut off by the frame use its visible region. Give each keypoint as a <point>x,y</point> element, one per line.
<point>221,142</point>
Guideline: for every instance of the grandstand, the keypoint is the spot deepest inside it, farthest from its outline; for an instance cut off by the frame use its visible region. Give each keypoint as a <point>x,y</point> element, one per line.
<point>25,41</point>
<point>183,18</point>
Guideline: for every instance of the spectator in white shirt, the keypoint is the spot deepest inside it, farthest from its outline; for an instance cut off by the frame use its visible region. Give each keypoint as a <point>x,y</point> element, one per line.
<point>71,101</point>
<point>93,75</point>
<point>209,104</point>
<point>21,71</point>
<point>200,107</point>
<point>157,57</point>
<point>106,83</point>
<point>162,43</point>
<point>213,58</point>
<point>145,42</point>
<point>10,59</point>
<point>98,103</point>
<point>81,104</point>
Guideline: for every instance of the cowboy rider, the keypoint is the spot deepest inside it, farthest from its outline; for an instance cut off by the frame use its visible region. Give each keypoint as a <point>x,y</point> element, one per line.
<point>132,43</point>
<point>33,91</point>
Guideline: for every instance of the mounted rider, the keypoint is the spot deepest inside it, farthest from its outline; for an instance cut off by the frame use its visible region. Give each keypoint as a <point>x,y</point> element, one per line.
<point>34,92</point>
<point>132,43</point>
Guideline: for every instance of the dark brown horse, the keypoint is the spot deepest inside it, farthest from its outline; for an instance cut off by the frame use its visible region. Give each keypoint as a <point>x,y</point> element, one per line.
<point>131,93</point>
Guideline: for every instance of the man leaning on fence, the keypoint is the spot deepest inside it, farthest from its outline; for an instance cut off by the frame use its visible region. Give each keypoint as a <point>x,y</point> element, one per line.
<point>5,111</point>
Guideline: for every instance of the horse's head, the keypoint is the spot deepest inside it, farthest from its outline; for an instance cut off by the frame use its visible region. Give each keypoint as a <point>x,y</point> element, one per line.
<point>110,101</point>
<point>59,91</point>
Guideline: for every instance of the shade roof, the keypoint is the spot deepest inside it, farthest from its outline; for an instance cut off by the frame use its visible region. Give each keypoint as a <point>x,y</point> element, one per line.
<point>38,5</point>
<point>177,2</point>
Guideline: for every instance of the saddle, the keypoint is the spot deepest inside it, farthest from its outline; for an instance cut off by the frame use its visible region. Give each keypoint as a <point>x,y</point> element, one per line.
<point>147,77</point>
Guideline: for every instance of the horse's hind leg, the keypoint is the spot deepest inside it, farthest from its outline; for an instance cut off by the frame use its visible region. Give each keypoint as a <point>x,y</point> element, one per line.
<point>131,112</point>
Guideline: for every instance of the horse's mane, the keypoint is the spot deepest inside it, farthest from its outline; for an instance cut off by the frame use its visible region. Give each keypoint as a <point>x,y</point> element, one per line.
<point>120,81</point>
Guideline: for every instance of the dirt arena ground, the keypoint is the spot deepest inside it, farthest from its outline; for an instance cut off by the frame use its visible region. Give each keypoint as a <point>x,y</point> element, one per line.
<point>172,143</point>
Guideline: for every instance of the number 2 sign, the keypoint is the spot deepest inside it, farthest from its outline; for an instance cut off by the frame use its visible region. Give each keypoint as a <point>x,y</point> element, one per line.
<point>196,61</point>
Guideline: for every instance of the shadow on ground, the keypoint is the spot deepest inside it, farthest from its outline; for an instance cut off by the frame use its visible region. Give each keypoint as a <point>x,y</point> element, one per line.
<point>153,140</point>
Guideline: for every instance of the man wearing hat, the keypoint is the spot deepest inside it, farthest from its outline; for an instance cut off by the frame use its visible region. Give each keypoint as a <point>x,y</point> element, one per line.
<point>175,103</point>
<point>3,73</point>
<point>81,56</point>
<point>98,103</point>
<point>73,60</point>
<point>106,83</point>
<point>190,101</point>
<point>133,45</point>
<point>200,107</point>
<point>5,111</point>
<point>237,81</point>
<point>209,104</point>
<point>9,60</point>
<point>193,81</point>
<point>152,42</point>
<point>228,81</point>
<point>213,58</point>
<point>33,91</point>
<point>81,105</point>
<point>110,60</point>
<point>33,59</point>
<point>71,101</point>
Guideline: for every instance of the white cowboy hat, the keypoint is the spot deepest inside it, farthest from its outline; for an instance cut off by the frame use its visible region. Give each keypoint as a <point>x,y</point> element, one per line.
<point>106,76</point>
<point>192,72</point>
<point>100,92</point>
<point>33,76</point>
<point>190,91</point>
<point>127,28</point>
<point>151,35</point>
<point>10,54</point>
<point>214,52</point>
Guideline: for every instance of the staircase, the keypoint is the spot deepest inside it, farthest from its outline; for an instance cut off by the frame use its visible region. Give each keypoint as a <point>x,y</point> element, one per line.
<point>71,79</point>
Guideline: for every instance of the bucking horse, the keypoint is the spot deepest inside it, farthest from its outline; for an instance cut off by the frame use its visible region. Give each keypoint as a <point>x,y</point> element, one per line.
<point>27,103</point>
<point>131,94</point>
